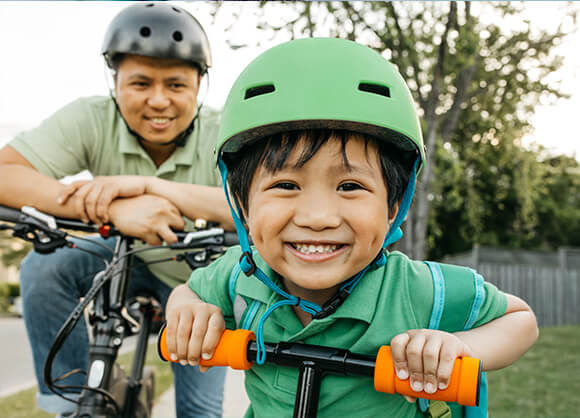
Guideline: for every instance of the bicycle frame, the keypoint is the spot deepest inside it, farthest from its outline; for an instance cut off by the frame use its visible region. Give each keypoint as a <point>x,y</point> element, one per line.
<point>108,327</point>
<point>107,391</point>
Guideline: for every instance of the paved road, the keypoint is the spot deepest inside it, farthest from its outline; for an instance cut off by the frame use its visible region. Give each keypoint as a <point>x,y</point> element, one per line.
<point>16,370</point>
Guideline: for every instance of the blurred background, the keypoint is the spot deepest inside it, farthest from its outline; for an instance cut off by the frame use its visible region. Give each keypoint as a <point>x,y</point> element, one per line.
<point>498,89</point>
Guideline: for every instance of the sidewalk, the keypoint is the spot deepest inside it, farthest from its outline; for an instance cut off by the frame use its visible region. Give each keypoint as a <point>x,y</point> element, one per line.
<point>235,399</point>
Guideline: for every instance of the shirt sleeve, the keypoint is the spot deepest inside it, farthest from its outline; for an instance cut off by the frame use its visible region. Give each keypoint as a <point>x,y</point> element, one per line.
<point>211,284</point>
<point>494,305</point>
<point>58,147</point>
<point>209,128</point>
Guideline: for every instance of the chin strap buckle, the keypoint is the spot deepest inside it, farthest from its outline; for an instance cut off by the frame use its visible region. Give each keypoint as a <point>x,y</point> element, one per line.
<point>332,305</point>
<point>247,263</point>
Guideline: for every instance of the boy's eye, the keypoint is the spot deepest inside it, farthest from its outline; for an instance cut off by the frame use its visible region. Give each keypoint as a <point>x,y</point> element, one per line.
<point>348,187</point>
<point>285,186</point>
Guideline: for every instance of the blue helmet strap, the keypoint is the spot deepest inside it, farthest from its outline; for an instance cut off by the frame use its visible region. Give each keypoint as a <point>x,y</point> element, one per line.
<point>248,266</point>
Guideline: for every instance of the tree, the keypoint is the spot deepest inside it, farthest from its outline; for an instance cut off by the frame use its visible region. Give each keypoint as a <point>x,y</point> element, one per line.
<point>476,82</point>
<point>12,250</point>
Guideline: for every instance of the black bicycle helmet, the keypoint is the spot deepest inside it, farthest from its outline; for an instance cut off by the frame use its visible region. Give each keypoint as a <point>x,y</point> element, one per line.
<point>157,30</point>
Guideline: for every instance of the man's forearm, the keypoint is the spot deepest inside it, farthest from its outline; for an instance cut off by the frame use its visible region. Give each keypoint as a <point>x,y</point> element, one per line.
<point>24,186</point>
<point>194,201</point>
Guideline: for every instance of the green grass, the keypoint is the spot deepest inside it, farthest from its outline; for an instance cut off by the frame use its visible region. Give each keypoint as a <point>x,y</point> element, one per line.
<point>544,382</point>
<point>23,404</point>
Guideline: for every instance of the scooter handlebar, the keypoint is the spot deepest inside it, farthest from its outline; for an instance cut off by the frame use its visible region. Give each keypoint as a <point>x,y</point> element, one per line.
<point>463,388</point>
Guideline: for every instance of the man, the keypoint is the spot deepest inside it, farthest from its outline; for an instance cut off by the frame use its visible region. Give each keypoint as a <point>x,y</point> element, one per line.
<point>152,126</point>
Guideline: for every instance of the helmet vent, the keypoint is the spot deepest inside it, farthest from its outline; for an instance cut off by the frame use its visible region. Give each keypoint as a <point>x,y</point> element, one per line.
<point>145,31</point>
<point>177,36</point>
<point>259,90</point>
<point>175,9</point>
<point>375,89</point>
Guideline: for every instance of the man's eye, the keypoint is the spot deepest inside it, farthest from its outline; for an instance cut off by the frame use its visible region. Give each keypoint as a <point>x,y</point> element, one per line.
<point>348,187</point>
<point>286,186</point>
<point>177,86</point>
<point>139,84</point>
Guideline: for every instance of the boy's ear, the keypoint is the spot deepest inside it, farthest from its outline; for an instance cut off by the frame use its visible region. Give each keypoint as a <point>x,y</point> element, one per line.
<point>392,213</point>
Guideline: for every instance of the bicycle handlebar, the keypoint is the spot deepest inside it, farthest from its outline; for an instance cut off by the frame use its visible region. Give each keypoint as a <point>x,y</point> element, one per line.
<point>46,223</point>
<point>237,349</point>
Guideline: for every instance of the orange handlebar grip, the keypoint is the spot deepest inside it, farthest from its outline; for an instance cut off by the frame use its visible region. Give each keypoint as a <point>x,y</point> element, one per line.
<point>463,386</point>
<point>230,351</point>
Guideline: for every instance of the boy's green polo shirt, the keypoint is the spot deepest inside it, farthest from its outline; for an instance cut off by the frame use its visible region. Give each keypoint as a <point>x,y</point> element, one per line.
<point>89,134</point>
<point>387,301</point>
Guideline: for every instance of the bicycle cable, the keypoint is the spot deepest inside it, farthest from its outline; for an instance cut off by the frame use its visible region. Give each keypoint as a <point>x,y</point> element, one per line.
<point>100,280</point>
<point>90,241</point>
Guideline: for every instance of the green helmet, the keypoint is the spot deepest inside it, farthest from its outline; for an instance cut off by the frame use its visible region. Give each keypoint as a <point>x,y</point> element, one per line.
<point>320,83</point>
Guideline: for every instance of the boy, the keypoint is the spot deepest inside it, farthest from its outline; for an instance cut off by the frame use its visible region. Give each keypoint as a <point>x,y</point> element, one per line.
<point>320,145</point>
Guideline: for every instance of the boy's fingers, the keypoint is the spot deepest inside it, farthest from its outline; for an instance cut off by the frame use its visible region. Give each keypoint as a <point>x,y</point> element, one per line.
<point>431,363</point>
<point>415,360</point>
<point>446,361</point>
<point>198,332</point>
<point>183,337</point>
<point>171,336</point>
<point>399,352</point>
<point>215,328</point>
<point>410,399</point>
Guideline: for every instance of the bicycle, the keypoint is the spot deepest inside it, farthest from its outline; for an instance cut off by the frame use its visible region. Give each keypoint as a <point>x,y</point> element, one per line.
<point>108,391</point>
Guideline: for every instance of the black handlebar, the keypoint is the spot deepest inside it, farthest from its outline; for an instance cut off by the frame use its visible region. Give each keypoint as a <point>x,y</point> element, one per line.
<point>10,214</point>
<point>210,236</point>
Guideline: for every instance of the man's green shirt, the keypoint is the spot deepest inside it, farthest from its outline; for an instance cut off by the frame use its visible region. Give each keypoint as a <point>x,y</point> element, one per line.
<point>387,301</point>
<point>89,134</point>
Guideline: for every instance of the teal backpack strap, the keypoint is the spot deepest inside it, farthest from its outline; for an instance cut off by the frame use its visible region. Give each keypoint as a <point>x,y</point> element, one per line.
<point>243,314</point>
<point>479,411</point>
<point>460,285</point>
<point>435,319</point>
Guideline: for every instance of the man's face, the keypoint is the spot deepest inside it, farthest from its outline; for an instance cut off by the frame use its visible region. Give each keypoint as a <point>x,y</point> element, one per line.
<point>157,97</point>
<point>319,224</point>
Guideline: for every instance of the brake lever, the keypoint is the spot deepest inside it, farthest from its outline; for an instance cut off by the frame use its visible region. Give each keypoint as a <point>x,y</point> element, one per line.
<point>200,258</point>
<point>44,241</point>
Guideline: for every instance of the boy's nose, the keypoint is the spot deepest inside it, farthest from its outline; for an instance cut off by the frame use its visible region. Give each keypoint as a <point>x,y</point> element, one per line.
<point>317,213</point>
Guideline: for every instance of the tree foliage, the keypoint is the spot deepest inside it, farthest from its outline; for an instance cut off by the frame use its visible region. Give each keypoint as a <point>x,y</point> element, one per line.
<point>477,71</point>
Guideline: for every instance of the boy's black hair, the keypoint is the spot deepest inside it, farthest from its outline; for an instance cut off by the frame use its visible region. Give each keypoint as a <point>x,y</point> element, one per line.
<point>273,151</point>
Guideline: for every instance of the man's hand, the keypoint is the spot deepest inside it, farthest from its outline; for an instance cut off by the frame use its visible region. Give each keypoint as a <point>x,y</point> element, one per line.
<point>426,357</point>
<point>149,218</point>
<point>194,327</point>
<point>93,197</point>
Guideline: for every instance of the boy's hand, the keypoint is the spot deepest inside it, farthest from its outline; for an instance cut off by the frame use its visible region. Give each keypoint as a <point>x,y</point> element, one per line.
<point>193,327</point>
<point>426,357</point>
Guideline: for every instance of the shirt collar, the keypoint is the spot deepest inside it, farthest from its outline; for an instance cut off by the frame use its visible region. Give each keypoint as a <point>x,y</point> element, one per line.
<point>128,144</point>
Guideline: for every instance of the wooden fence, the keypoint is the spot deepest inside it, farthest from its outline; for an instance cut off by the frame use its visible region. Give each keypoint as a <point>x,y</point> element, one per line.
<point>552,293</point>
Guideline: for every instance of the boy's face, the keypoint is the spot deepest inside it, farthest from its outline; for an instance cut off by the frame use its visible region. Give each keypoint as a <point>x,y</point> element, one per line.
<point>320,224</point>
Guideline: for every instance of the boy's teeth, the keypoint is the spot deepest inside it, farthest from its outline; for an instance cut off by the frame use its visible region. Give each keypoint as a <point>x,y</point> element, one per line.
<point>160,120</point>
<point>310,248</point>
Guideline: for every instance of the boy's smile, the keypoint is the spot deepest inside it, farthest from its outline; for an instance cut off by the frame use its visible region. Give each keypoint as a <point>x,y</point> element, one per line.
<point>319,224</point>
